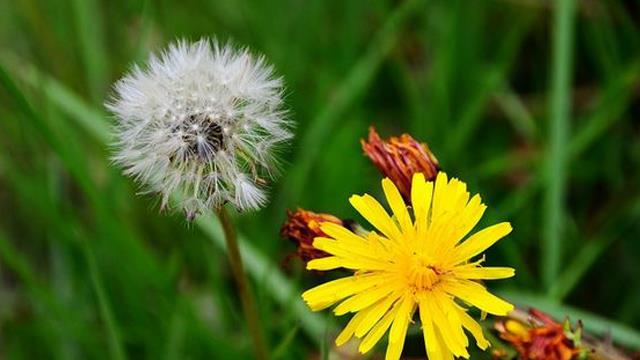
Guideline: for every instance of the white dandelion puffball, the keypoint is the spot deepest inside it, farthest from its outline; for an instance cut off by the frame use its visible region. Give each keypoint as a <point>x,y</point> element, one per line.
<point>201,121</point>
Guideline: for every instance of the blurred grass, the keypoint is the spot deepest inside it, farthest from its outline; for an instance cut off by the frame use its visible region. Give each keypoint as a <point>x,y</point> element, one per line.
<point>87,265</point>
<point>351,88</point>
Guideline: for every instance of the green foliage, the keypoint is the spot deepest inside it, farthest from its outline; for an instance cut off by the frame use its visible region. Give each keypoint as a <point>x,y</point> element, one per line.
<point>545,129</point>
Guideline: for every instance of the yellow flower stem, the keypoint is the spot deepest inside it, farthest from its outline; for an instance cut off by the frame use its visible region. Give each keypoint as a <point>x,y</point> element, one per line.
<point>248,304</point>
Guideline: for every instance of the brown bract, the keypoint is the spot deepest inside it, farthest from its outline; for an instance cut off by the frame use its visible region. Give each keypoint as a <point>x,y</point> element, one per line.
<point>540,339</point>
<point>399,157</point>
<point>301,227</point>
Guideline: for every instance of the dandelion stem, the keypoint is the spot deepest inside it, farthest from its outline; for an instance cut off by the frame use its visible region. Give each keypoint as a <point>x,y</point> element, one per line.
<point>246,297</point>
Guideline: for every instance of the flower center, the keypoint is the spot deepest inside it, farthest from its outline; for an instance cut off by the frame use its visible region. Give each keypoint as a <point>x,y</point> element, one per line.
<point>422,275</point>
<point>202,135</point>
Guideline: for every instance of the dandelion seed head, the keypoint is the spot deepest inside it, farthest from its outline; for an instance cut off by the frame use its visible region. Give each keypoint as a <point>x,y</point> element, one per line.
<point>202,121</point>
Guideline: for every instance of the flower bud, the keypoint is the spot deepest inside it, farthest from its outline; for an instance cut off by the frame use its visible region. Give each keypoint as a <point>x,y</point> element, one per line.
<point>301,227</point>
<point>540,337</point>
<point>398,158</point>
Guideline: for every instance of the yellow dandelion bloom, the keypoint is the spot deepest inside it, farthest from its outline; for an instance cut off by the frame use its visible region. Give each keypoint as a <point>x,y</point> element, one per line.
<point>411,264</point>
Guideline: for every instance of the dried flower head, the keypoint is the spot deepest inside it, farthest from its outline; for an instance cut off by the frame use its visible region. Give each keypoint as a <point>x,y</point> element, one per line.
<point>302,227</point>
<point>421,262</point>
<point>399,158</point>
<point>201,121</point>
<point>540,338</point>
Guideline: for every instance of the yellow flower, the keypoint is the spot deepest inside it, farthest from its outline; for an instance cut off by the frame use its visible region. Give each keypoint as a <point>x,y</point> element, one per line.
<point>411,264</point>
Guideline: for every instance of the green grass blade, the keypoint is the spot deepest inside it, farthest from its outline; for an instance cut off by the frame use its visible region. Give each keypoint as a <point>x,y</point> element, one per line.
<point>176,333</point>
<point>354,85</point>
<point>77,168</point>
<point>614,101</point>
<point>557,156</point>
<point>592,249</point>
<point>89,118</point>
<point>59,318</point>
<point>89,30</point>
<point>115,343</point>
<point>521,118</point>
<point>14,261</point>
<point>72,159</point>
<point>490,81</point>
<point>579,265</point>
<point>286,342</point>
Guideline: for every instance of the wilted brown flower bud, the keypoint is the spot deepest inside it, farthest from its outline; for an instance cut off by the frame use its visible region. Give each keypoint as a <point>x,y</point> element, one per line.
<point>541,338</point>
<point>302,227</point>
<point>399,158</point>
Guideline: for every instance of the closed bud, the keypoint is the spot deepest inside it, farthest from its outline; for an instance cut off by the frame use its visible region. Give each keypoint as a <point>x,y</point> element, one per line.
<point>399,158</point>
<point>540,337</point>
<point>302,227</point>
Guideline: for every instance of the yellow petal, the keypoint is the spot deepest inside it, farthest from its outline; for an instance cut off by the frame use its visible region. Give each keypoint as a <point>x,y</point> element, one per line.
<point>481,241</point>
<point>458,196</point>
<point>451,311</point>
<point>374,313</point>
<point>449,326</point>
<point>397,205</point>
<point>347,333</point>
<point>421,194</point>
<point>474,328</point>
<point>394,350</point>
<point>445,353</point>
<point>351,255</point>
<point>364,299</point>
<point>327,294</point>
<point>381,246</point>
<point>337,231</point>
<point>435,345</point>
<point>376,215</point>
<point>376,333</point>
<point>476,295</point>
<point>428,331</point>
<point>325,263</point>
<point>470,216</point>
<point>345,236</point>
<point>440,195</point>
<point>484,273</point>
<point>401,322</point>
<point>399,328</point>
<point>439,237</point>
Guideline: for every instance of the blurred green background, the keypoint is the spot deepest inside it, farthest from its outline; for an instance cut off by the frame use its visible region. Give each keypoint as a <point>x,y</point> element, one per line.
<point>533,103</point>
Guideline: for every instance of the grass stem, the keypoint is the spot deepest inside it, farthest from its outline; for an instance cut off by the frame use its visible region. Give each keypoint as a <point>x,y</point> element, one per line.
<point>557,155</point>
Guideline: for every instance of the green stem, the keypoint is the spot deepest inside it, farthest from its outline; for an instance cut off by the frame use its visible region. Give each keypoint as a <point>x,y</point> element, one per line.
<point>557,156</point>
<point>246,297</point>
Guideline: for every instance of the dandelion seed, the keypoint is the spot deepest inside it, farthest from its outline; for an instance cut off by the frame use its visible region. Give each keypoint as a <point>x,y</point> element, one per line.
<point>201,121</point>
<point>410,264</point>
